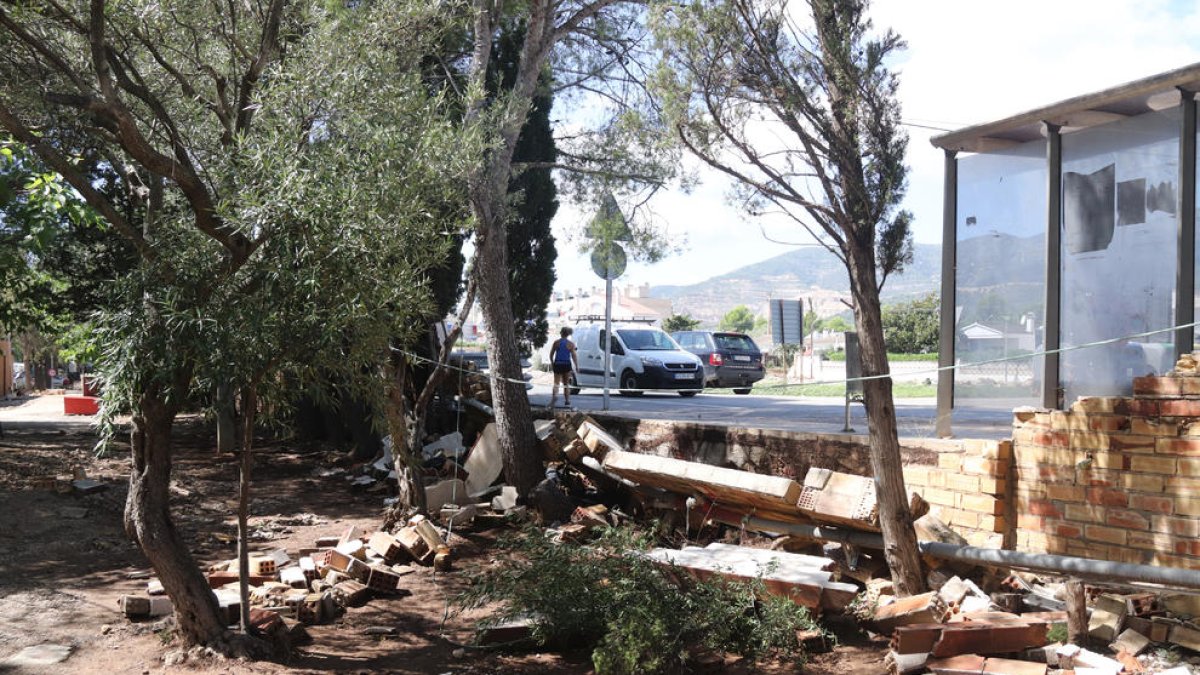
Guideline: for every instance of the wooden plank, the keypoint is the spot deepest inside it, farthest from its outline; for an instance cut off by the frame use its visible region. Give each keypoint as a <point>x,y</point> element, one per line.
<point>721,485</point>
<point>840,498</point>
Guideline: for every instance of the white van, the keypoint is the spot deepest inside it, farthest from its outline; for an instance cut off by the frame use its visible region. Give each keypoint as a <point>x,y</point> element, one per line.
<point>643,357</point>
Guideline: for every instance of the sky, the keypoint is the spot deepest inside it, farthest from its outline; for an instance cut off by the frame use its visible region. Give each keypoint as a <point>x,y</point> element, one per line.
<point>967,62</point>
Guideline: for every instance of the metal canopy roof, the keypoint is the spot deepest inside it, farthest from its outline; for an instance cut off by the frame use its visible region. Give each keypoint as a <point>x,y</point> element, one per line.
<point>1150,94</point>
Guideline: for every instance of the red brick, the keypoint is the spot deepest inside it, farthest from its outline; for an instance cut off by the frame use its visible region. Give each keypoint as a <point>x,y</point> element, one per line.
<point>1132,443</point>
<point>1085,513</point>
<point>1134,406</point>
<point>1065,493</point>
<point>1044,507</point>
<point>1051,439</point>
<point>1182,486</point>
<point>1162,505</point>
<point>1143,463</point>
<point>1099,404</point>
<point>1157,386</point>
<point>1185,547</point>
<point>1131,520</point>
<point>1029,522</point>
<point>1179,408</point>
<point>983,504</point>
<point>1106,497</point>
<point>1089,440</point>
<point>1189,467</point>
<point>1070,530</point>
<point>1108,423</point>
<point>1059,474</point>
<point>1110,535</point>
<point>1153,427</point>
<point>1177,446</point>
<point>1180,527</point>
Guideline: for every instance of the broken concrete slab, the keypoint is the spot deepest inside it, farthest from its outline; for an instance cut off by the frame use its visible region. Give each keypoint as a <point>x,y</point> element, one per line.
<point>1130,641</point>
<point>728,487</point>
<point>988,638</point>
<point>452,491</point>
<point>789,575</point>
<point>485,462</point>
<point>506,500</point>
<point>1185,637</point>
<point>1074,656</point>
<point>1107,617</point>
<point>449,446</point>
<point>37,656</point>
<point>598,441</point>
<point>839,498</point>
<point>973,664</point>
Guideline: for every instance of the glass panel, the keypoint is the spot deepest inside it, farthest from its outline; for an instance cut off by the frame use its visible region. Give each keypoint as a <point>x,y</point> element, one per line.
<point>1119,252</point>
<point>1000,277</point>
<point>727,341</point>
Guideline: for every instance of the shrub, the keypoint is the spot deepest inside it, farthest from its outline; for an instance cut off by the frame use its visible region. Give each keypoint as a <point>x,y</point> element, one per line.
<point>632,614</point>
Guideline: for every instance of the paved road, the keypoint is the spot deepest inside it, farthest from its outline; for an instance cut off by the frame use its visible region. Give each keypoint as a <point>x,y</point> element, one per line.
<point>915,417</point>
<point>41,413</point>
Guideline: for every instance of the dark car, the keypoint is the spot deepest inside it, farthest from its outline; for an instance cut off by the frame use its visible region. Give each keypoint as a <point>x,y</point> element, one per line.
<point>730,359</point>
<point>480,361</point>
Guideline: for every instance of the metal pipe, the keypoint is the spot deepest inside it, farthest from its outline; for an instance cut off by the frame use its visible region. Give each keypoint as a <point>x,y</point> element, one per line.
<point>1052,302</point>
<point>1099,570</point>
<point>1185,273</point>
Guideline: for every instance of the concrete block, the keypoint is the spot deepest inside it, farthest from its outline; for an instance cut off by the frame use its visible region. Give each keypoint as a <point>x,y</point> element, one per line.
<point>145,607</point>
<point>294,577</point>
<point>485,462</point>
<point>452,491</point>
<point>1130,641</point>
<point>386,546</point>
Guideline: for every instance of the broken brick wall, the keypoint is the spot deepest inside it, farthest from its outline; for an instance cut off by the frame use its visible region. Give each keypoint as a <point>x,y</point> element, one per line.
<point>1113,478</point>
<point>965,481</point>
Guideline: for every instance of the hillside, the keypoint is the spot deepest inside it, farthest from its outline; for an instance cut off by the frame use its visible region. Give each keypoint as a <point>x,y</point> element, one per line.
<point>804,273</point>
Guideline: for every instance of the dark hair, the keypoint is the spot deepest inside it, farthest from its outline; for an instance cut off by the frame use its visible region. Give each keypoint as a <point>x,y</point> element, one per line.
<point>566,330</point>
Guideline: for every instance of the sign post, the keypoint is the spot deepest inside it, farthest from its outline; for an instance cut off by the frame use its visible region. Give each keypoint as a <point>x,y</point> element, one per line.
<point>608,262</point>
<point>854,385</point>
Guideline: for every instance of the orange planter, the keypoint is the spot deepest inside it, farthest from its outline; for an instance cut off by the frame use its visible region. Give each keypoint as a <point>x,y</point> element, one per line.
<point>81,405</point>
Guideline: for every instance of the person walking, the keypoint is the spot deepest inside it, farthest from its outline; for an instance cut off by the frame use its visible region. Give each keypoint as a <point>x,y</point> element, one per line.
<point>562,362</point>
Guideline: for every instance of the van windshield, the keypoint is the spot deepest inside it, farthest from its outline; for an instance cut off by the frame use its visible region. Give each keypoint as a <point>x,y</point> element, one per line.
<point>646,339</point>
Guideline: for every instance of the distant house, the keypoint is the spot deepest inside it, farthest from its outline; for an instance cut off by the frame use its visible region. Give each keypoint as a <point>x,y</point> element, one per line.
<point>981,338</point>
<point>628,303</point>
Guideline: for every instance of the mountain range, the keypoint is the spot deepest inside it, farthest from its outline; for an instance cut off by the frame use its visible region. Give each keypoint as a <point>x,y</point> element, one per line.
<point>988,263</point>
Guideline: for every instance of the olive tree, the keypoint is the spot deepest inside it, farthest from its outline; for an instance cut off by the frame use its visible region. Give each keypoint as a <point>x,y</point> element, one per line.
<point>799,108</point>
<point>280,157</point>
<point>586,51</point>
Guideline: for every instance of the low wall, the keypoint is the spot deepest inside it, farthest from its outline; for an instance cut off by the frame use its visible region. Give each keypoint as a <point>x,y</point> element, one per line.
<point>965,481</point>
<point>1115,478</point>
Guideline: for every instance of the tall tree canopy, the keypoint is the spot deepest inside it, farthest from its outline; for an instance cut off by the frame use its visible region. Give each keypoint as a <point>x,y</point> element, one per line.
<point>800,109</point>
<point>282,160</point>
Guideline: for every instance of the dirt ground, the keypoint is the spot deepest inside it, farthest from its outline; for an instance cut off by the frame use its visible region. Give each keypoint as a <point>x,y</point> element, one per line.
<point>65,561</point>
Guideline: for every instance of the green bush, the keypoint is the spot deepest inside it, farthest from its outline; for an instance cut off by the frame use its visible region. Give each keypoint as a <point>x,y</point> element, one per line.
<point>632,614</point>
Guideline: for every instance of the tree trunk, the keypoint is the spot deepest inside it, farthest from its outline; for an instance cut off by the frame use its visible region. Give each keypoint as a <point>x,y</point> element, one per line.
<point>895,519</point>
<point>148,522</point>
<point>226,425</point>
<point>411,496</point>
<point>514,421</point>
<point>249,410</point>
<point>1077,615</point>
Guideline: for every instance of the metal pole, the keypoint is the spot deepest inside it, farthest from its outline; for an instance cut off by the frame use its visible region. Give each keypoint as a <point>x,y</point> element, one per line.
<point>1052,339</point>
<point>1098,570</point>
<point>607,334</point>
<point>1185,279</point>
<point>945,383</point>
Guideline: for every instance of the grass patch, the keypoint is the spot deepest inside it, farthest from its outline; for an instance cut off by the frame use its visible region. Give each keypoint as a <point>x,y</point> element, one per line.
<point>893,358</point>
<point>775,387</point>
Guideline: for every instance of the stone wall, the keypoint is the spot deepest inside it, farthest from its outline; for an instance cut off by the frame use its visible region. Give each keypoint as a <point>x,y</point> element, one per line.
<point>965,481</point>
<point>1114,478</point>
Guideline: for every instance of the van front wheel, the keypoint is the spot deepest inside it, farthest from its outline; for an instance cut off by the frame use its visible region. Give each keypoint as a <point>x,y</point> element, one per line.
<point>629,384</point>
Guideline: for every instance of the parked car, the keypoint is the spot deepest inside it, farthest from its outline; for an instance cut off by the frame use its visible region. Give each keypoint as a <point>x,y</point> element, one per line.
<point>643,358</point>
<point>730,359</point>
<point>480,360</point>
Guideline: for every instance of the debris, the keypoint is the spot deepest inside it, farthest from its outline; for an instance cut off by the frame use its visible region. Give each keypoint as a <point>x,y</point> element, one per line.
<point>1107,617</point>
<point>598,441</point>
<point>924,608</point>
<point>840,498</point>
<point>505,500</point>
<point>349,593</point>
<point>802,579</point>
<point>456,516</point>
<point>155,587</point>
<point>88,486</point>
<point>452,491</point>
<point>1130,641</point>
<point>514,631</point>
<point>1185,637</point>
<point>485,462</point>
<point>379,630</point>
<point>138,607</point>
<point>449,446</point>
<point>1074,656</point>
<point>37,656</point>
<point>730,487</point>
<point>972,664</point>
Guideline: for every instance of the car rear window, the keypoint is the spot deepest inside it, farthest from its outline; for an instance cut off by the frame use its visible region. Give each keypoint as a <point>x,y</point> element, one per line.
<point>739,342</point>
